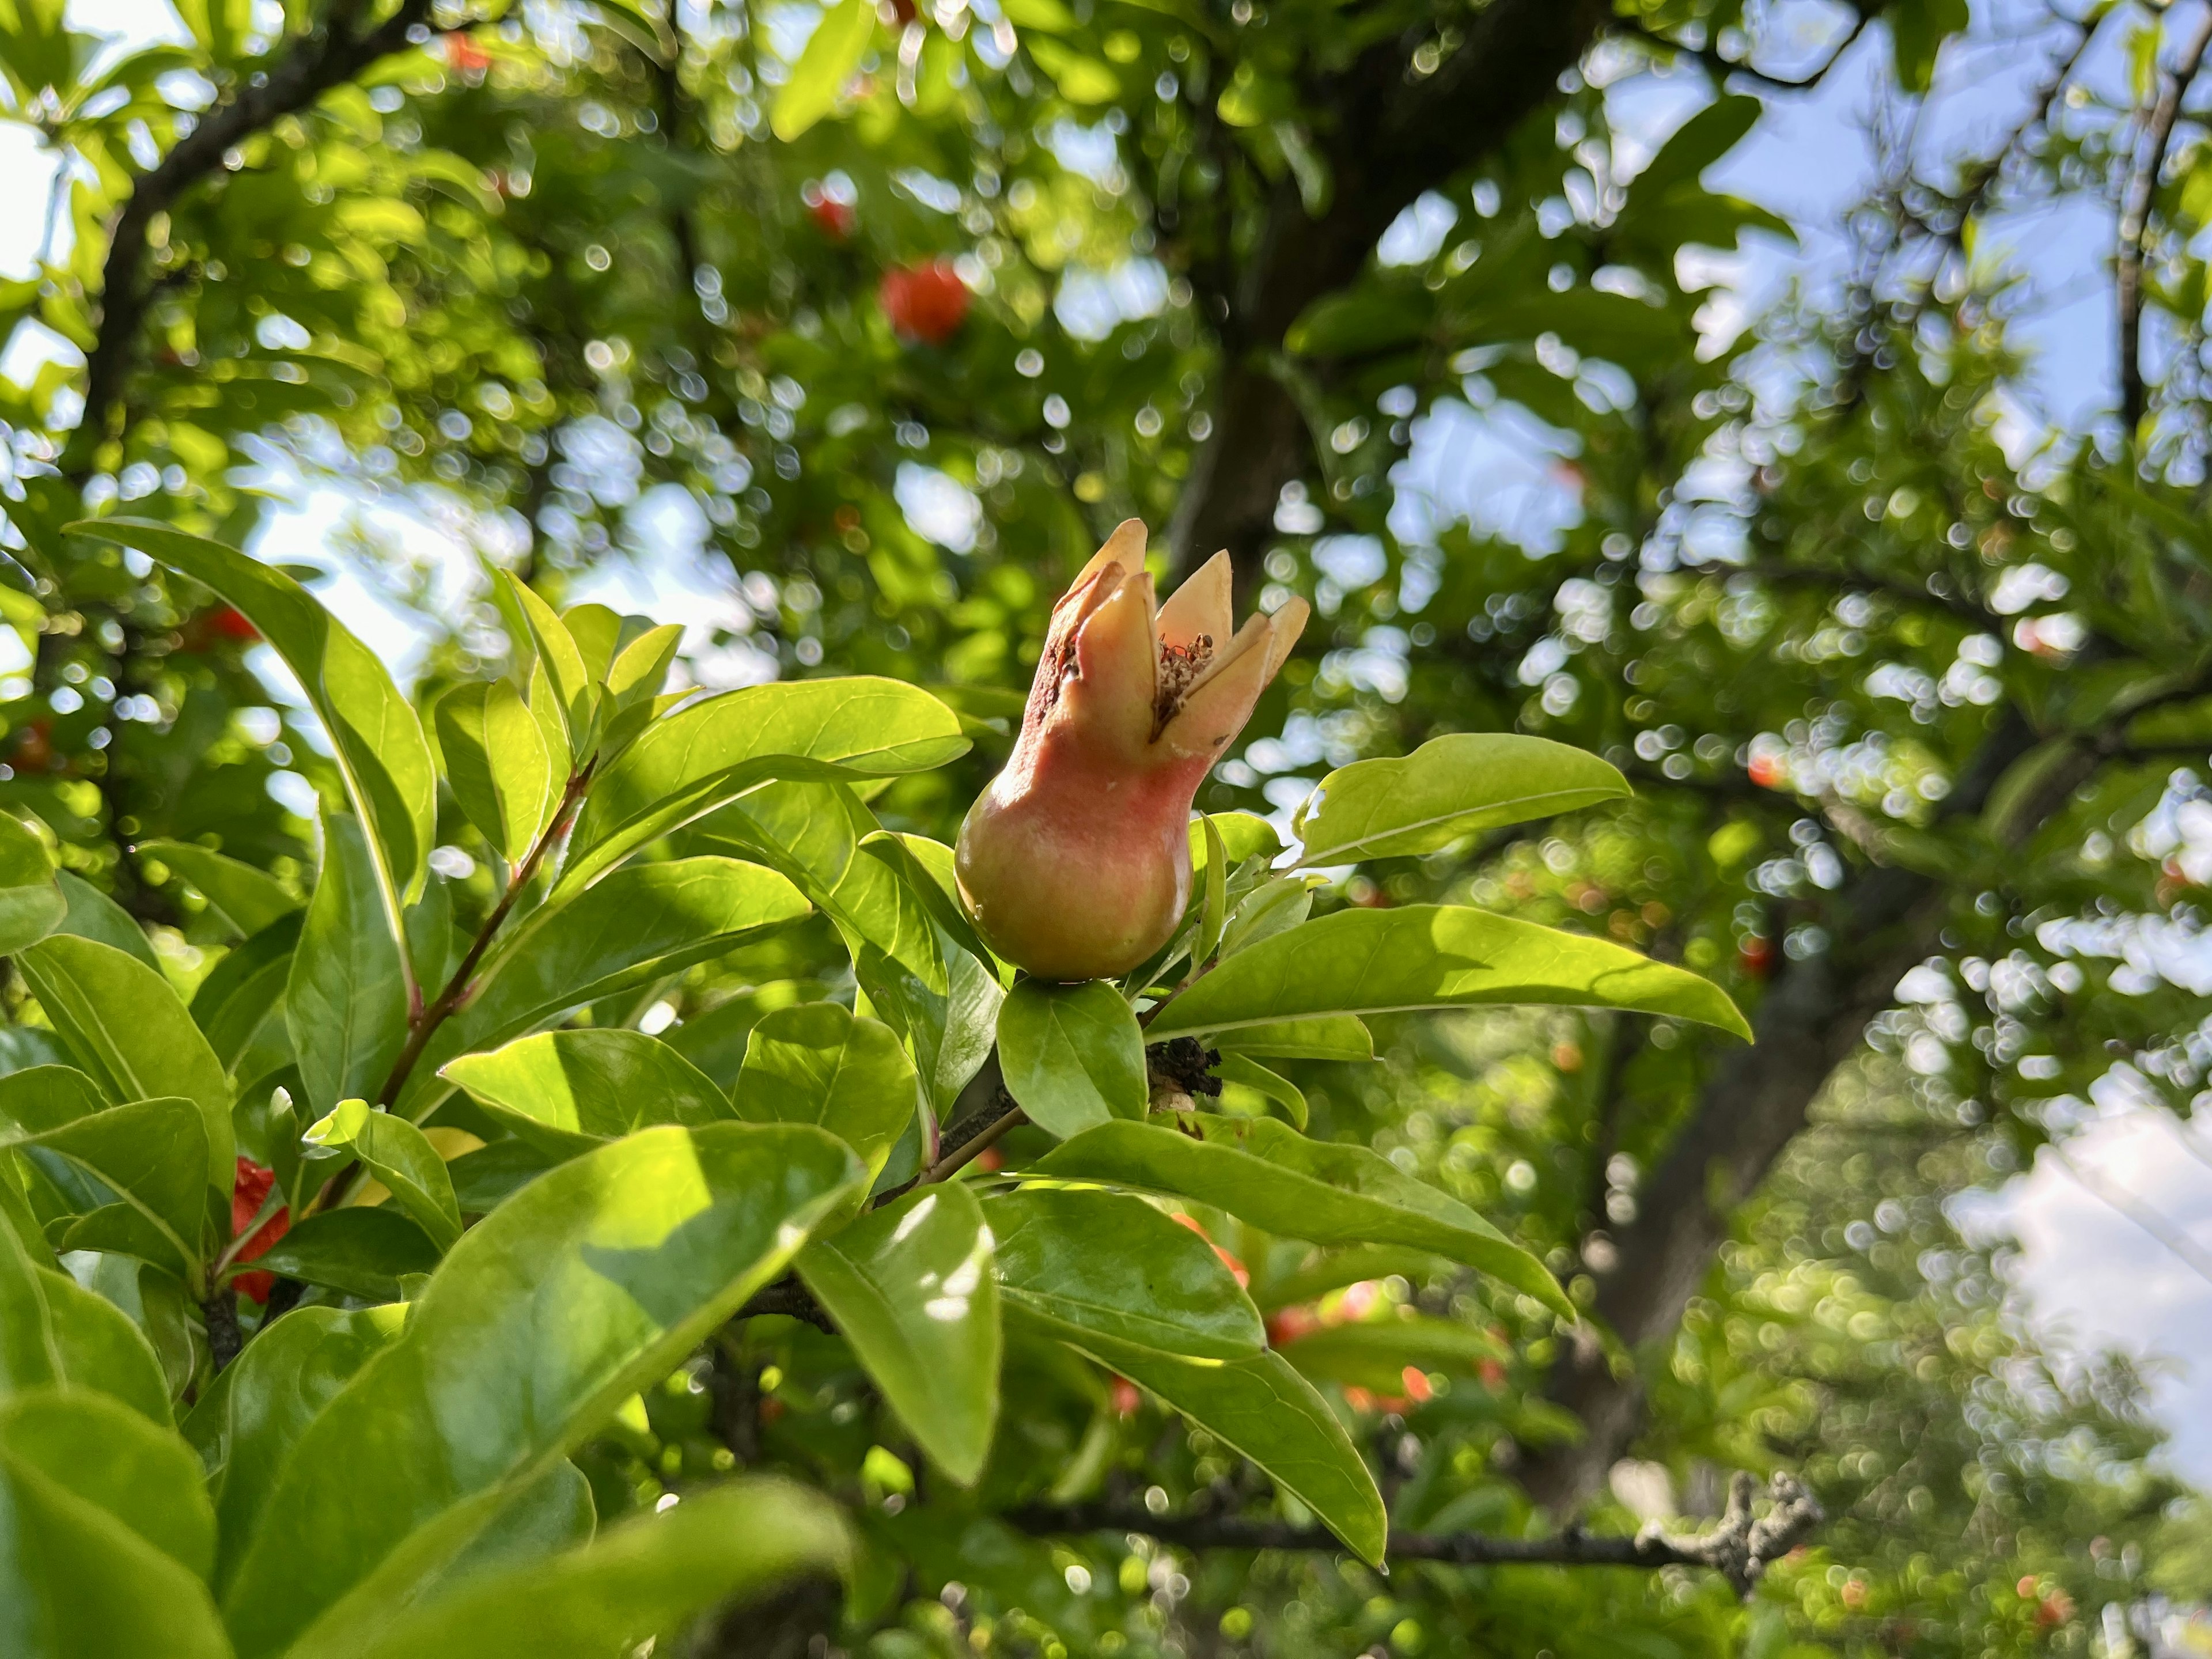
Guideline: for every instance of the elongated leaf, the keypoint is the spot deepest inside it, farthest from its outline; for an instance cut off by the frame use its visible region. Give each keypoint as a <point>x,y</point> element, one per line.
<point>31,902</point>
<point>722,746</point>
<point>42,1098</point>
<point>247,1423</point>
<point>640,667</point>
<point>642,1246</point>
<point>1268,1173</point>
<point>567,676</point>
<point>819,1063</point>
<point>250,899</point>
<point>568,1091</point>
<point>151,1154</point>
<point>400,1156</point>
<point>950,1034</point>
<point>363,1250</point>
<point>634,927</point>
<point>497,764</point>
<point>1279,1090</point>
<point>1073,1056</point>
<point>56,1333</point>
<point>1088,1263</point>
<point>1375,1354</point>
<point>833,53</point>
<point>926,867</point>
<point>1213,894</point>
<point>92,915</point>
<point>1433,956</point>
<point>125,1027</point>
<point>345,1002</point>
<point>76,1581</point>
<point>239,1005</point>
<point>1332,1036</point>
<point>380,743</point>
<point>1448,788</point>
<point>726,1544</point>
<point>1269,1413</point>
<point>99,1448</point>
<point>911,1287</point>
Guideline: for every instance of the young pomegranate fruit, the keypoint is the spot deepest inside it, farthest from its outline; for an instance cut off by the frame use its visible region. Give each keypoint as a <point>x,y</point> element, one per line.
<point>1075,863</point>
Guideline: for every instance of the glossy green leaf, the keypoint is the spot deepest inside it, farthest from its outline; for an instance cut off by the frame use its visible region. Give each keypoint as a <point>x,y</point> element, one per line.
<point>76,1582</point>
<point>722,746</point>
<point>345,1000</point>
<point>1213,894</point>
<point>96,1447</point>
<point>911,1287</point>
<point>56,1333</point>
<point>566,677</point>
<point>239,1005</point>
<point>926,868</point>
<point>381,752</point>
<point>1272,907</point>
<point>250,899</point>
<point>1090,1262</point>
<point>255,1411</point>
<point>487,1177</point>
<point>42,1098</point>
<point>1267,1412</point>
<point>640,667</point>
<point>588,1284</point>
<point>362,1250</point>
<point>92,915</point>
<point>1268,1173</point>
<point>1375,1353</point>
<point>819,1063</point>
<point>496,761</point>
<point>646,1576</point>
<point>1277,1090</point>
<point>400,1156</point>
<point>1073,1056</point>
<point>1433,956</point>
<point>31,903</point>
<point>125,1027</point>
<point>634,927</point>
<point>1334,1036</point>
<point>950,1034</point>
<point>833,53</point>
<point>568,1091</point>
<point>1447,789</point>
<point>150,1154</point>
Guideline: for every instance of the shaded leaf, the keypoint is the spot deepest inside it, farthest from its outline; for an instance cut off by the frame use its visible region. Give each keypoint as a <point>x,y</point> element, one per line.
<point>820,1063</point>
<point>1073,1056</point>
<point>345,999</point>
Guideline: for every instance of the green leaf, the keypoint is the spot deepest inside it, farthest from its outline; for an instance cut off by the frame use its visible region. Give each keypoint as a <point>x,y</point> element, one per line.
<point>345,1001</point>
<point>1242,1069</point>
<point>722,746</point>
<point>255,1411</point>
<point>151,1154</point>
<point>99,1448</point>
<point>911,1287</point>
<point>400,1156</point>
<point>563,664</point>
<point>1448,788</point>
<point>640,668</point>
<point>1268,1173</point>
<point>239,1005</point>
<point>1332,1036</point>
<point>487,1177</point>
<point>641,1248</point>
<point>497,764</point>
<point>950,1034</point>
<point>381,753</point>
<point>362,1250</point>
<point>1073,1056</point>
<point>726,1544</point>
<point>1213,909</point>
<point>92,915</point>
<point>925,867</point>
<point>1156,1284</point>
<point>821,1063</point>
<point>125,1027</point>
<point>1332,1270</point>
<point>636,925</point>
<point>569,1090</point>
<point>833,53</point>
<point>1375,1353</point>
<point>31,903</point>
<point>42,1098</point>
<point>1433,956</point>
<point>56,1333</point>
<point>76,1582</point>
<point>250,899</point>
<point>1267,1412</point>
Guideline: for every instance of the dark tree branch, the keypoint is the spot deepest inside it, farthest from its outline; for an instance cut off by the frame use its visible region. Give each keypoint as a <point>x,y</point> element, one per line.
<point>1741,1547</point>
<point>791,1299</point>
<point>329,55</point>
<point>2135,218</point>
<point>1720,69</point>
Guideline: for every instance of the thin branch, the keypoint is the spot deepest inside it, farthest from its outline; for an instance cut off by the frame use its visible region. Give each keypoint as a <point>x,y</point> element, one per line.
<point>2135,219</point>
<point>1740,1546</point>
<point>327,57</point>
<point>1720,68</point>
<point>791,1299</point>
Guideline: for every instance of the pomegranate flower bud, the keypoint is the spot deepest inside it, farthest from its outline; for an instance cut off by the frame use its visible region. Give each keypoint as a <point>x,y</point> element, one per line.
<point>1075,863</point>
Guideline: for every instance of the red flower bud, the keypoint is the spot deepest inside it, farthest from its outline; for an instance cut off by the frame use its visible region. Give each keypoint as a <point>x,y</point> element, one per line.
<point>833,218</point>
<point>925,302</point>
<point>1075,863</point>
<point>248,1191</point>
